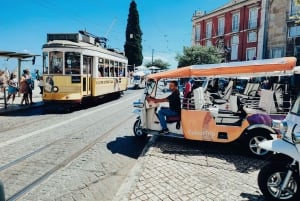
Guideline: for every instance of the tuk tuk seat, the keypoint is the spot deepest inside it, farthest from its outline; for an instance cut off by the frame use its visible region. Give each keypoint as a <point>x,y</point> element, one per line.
<point>173,119</point>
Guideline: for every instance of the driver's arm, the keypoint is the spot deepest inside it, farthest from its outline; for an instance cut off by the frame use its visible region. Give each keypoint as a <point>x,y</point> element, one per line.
<point>156,100</point>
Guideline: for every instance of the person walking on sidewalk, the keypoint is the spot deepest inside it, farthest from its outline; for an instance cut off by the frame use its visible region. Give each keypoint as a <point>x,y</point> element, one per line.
<point>30,83</point>
<point>24,89</point>
<point>12,87</point>
<point>173,110</point>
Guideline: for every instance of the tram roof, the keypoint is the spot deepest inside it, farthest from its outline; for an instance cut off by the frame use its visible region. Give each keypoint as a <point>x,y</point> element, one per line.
<point>16,55</point>
<point>250,68</point>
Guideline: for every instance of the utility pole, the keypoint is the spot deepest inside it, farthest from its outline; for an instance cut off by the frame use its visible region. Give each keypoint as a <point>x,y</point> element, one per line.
<point>152,57</point>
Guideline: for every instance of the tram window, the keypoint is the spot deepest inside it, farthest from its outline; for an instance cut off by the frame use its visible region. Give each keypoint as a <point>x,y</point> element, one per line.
<point>87,64</point>
<point>106,68</point>
<point>101,67</point>
<point>72,63</point>
<point>56,63</point>
<point>120,70</point>
<point>116,69</point>
<point>111,69</point>
<point>45,63</point>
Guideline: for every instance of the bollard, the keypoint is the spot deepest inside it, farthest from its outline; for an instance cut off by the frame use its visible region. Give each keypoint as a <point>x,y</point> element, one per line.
<point>2,195</point>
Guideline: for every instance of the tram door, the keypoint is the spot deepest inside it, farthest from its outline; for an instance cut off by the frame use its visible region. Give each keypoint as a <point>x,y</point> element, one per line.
<point>87,75</point>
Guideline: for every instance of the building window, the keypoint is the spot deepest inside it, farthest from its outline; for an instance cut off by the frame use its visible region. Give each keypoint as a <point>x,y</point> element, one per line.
<point>295,9</point>
<point>208,43</point>
<point>251,53</point>
<point>234,47</point>
<point>294,31</point>
<point>221,23</point>
<point>208,29</point>
<point>253,12</point>
<point>252,36</point>
<point>276,52</point>
<point>197,32</point>
<point>235,22</point>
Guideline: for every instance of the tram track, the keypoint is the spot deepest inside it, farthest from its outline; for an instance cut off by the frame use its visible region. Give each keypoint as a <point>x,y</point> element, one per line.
<point>64,163</point>
<point>39,150</point>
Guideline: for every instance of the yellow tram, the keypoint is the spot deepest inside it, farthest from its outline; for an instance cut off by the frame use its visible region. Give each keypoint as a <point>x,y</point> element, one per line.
<point>78,66</point>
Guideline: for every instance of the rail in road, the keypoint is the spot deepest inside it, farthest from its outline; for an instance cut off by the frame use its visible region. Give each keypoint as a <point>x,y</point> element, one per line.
<point>47,145</point>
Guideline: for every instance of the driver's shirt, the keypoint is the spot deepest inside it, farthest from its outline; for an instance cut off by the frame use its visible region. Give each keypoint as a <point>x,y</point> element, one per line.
<point>174,102</point>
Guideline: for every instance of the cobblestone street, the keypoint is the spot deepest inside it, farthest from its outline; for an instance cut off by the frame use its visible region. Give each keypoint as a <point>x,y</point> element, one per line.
<point>174,169</point>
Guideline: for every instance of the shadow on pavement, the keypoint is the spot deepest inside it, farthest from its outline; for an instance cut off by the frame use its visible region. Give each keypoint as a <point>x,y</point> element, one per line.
<point>57,108</point>
<point>231,153</point>
<point>253,197</point>
<point>128,146</point>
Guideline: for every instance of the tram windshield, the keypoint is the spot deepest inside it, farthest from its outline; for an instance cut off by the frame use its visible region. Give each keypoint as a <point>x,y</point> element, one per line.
<point>45,62</point>
<point>56,62</point>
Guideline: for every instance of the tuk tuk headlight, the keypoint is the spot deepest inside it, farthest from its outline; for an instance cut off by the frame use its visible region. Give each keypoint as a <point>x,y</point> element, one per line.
<point>280,126</point>
<point>296,137</point>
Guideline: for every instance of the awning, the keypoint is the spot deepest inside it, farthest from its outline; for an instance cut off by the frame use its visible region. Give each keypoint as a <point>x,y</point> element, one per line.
<point>230,69</point>
<point>16,55</point>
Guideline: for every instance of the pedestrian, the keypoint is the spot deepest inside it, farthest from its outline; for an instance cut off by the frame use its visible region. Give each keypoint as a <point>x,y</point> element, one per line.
<point>41,84</point>
<point>24,89</point>
<point>30,84</point>
<point>37,75</point>
<point>12,87</point>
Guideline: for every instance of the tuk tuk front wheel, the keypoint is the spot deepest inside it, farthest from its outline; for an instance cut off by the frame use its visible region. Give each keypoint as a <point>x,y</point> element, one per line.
<point>138,130</point>
<point>251,144</point>
<point>270,179</point>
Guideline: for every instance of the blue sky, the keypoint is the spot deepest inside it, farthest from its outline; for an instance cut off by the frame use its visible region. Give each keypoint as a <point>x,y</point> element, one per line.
<point>166,24</point>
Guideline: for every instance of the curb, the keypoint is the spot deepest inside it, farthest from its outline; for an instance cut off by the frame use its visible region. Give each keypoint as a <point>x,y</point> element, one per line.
<point>134,174</point>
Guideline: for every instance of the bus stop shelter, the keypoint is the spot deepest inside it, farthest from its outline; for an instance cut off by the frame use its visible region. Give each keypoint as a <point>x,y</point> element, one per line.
<point>20,57</point>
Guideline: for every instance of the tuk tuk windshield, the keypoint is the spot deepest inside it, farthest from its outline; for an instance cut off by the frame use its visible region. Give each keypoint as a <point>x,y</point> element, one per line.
<point>296,108</point>
<point>150,86</point>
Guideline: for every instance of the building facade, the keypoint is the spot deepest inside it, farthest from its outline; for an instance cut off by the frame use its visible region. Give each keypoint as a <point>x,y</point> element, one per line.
<point>283,29</point>
<point>236,29</point>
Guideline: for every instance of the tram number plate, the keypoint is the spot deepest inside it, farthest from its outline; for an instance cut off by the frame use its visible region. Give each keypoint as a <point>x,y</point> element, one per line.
<point>76,79</point>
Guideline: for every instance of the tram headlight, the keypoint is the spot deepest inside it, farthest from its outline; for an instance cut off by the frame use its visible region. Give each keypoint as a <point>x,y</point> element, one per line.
<point>55,89</point>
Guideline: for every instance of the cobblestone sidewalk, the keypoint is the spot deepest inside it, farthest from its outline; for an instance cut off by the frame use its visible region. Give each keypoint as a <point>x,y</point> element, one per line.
<point>174,169</point>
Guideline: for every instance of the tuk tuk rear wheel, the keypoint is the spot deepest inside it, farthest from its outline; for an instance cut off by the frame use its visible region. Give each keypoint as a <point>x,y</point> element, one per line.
<point>138,130</point>
<point>251,144</point>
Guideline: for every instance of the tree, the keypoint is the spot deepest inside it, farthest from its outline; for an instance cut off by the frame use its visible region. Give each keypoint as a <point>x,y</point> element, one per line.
<point>133,45</point>
<point>158,63</point>
<point>198,55</point>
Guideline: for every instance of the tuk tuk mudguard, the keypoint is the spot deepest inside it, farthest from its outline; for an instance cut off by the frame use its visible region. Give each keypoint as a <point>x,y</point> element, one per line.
<point>282,147</point>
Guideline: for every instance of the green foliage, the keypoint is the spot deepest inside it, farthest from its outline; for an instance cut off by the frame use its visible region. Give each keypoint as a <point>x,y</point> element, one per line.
<point>133,45</point>
<point>158,63</point>
<point>296,17</point>
<point>198,55</point>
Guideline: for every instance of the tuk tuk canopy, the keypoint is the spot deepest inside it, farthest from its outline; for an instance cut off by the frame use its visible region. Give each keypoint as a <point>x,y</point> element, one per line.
<point>284,64</point>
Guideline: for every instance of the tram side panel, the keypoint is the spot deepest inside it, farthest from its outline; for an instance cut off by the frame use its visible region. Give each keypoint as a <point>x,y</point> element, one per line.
<point>62,88</point>
<point>108,85</point>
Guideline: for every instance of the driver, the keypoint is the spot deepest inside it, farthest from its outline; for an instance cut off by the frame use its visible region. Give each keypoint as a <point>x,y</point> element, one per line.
<point>173,110</point>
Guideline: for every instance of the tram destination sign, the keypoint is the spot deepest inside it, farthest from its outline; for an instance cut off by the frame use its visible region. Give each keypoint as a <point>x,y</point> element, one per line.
<point>76,79</point>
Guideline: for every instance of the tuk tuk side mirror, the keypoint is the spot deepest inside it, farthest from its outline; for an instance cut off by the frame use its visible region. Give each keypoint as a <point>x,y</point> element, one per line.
<point>296,137</point>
